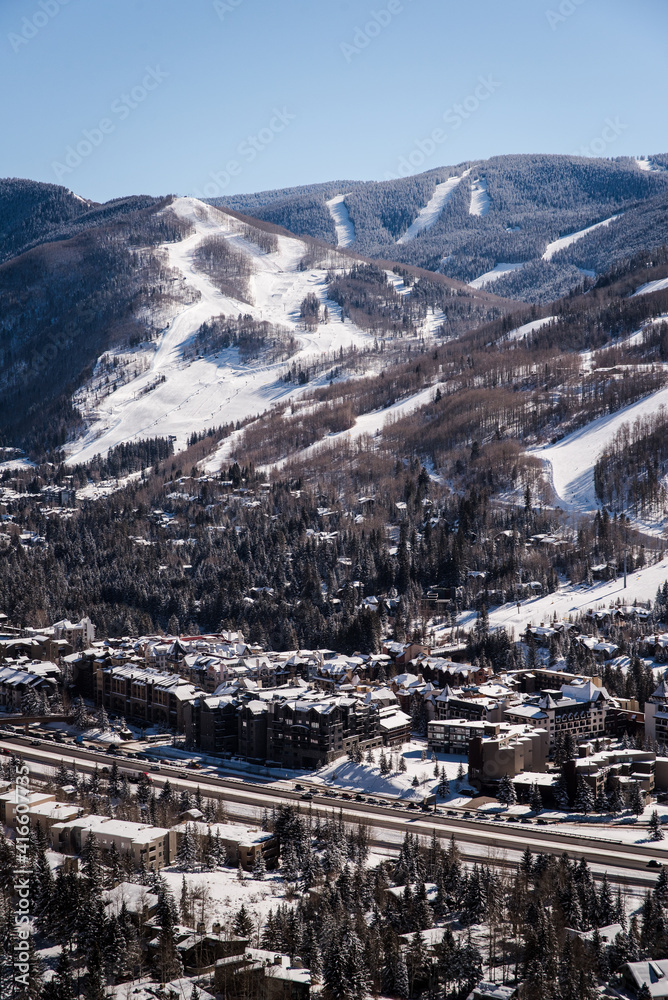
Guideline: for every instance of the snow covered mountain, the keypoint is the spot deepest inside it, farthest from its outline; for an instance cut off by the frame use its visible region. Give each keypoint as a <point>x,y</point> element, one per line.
<point>160,318</point>
<point>535,226</point>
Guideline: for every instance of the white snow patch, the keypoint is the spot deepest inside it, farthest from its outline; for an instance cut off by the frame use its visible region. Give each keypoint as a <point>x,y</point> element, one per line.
<point>536,324</point>
<point>497,272</point>
<point>651,286</point>
<point>367,778</point>
<point>565,241</point>
<point>344,225</point>
<point>648,166</point>
<point>479,204</point>
<point>432,210</point>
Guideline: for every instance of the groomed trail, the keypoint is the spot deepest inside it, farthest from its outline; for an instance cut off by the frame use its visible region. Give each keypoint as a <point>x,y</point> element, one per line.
<point>175,396</point>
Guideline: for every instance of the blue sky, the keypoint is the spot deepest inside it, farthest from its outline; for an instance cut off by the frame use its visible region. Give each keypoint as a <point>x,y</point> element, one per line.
<point>114,97</point>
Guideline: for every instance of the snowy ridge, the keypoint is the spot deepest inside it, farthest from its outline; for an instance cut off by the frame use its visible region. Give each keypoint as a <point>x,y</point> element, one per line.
<point>566,241</point>
<point>428,215</point>
<point>497,272</point>
<point>479,204</point>
<point>174,396</point>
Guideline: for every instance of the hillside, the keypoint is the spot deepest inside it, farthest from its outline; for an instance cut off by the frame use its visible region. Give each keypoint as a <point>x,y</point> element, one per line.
<point>525,223</point>
<point>147,318</point>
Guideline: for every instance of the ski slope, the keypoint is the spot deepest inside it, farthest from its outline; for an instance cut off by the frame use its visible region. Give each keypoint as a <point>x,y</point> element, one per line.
<point>641,585</point>
<point>213,390</point>
<point>497,272</point>
<point>429,215</point>
<point>371,424</point>
<point>479,204</point>
<point>566,241</point>
<point>651,286</point>
<point>527,328</point>
<point>344,225</point>
<point>570,462</point>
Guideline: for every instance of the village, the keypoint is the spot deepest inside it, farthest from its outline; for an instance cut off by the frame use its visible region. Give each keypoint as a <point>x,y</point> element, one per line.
<point>156,719</point>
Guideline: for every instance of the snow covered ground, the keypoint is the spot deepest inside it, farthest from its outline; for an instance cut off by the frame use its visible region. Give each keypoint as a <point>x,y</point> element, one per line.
<point>207,391</point>
<point>479,204</point>
<point>497,272</point>
<point>641,585</point>
<point>570,462</point>
<point>567,241</point>
<point>652,286</point>
<point>345,228</point>
<point>367,778</point>
<point>432,210</point>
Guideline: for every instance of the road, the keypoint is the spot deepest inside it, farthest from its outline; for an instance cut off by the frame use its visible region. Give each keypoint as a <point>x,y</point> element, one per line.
<point>493,843</point>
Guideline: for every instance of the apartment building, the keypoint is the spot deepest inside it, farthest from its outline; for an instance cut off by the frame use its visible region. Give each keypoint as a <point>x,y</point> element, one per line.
<point>579,707</point>
<point>309,732</point>
<point>144,694</point>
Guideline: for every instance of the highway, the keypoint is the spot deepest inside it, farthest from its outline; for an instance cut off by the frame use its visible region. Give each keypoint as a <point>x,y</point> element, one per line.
<point>494,843</point>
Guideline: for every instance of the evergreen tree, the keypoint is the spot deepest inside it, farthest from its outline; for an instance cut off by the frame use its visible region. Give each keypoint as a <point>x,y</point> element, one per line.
<point>81,717</point>
<point>560,792</point>
<point>259,867</point>
<point>186,855</point>
<point>636,801</point>
<point>655,827</point>
<point>536,800</point>
<point>506,791</point>
<point>584,799</point>
<point>243,924</point>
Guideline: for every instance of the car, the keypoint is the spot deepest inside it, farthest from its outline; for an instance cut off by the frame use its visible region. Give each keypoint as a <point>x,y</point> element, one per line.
<point>34,743</point>
<point>512,819</point>
<point>525,819</point>
<point>373,802</point>
<point>653,863</point>
<point>346,795</point>
<point>194,764</point>
<point>359,798</point>
<point>307,796</point>
<point>59,737</point>
<point>299,788</point>
<point>541,821</point>
<point>466,815</point>
<point>154,767</point>
<point>452,812</point>
<point>412,805</point>
<point>396,805</point>
<point>331,794</point>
